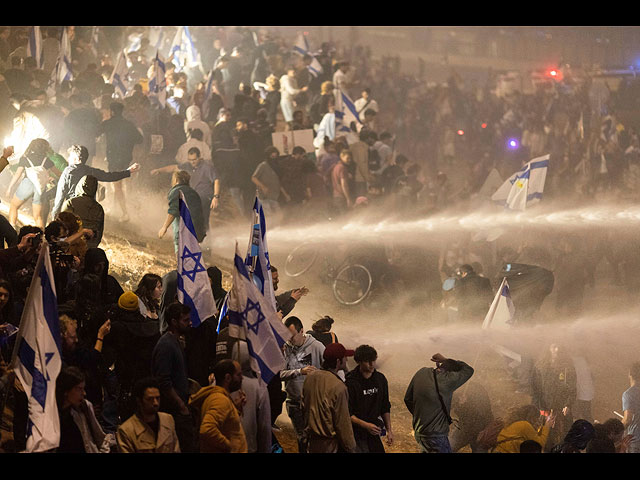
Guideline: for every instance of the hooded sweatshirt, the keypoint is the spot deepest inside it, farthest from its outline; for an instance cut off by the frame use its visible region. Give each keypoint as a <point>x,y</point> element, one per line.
<point>194,121</point>
<point>220,425</point>
<point>84,205</point>
<point>309,353</point>
<point>111,289</point>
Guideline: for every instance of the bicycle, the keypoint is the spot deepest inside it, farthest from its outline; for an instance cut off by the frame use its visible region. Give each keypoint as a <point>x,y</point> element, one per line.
<point>350,281</point>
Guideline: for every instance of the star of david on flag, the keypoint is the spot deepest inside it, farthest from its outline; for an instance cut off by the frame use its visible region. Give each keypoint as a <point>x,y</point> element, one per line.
<point>252,318</point>
<point>257,258</point>
<point>524,187</point>
<point>37,358</point>
<point>194,288</point>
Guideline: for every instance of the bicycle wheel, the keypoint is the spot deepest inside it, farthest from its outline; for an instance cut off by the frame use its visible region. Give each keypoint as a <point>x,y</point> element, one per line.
<point>301,259</point>
<point>352,284</point>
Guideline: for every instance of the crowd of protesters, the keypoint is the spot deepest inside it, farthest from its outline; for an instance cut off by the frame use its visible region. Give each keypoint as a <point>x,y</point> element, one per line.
<point>137,377</point>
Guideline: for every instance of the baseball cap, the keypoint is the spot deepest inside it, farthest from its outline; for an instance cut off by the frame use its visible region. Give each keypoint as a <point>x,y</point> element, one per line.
<point>336,351</point>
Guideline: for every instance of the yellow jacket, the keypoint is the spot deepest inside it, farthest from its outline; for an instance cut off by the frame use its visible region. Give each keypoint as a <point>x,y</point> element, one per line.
<point>511,436</point>
<point>220,424</point>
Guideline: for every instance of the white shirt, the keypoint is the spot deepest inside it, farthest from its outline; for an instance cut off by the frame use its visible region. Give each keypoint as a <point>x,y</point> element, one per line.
<point>360,106</point>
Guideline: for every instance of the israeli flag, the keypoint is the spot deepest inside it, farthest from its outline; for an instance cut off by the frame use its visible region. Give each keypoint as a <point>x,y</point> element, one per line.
<point>37,357</point>
<point>158,82</point>
<point>65,72</point>
<point>135,42</point>
<point>120,76</point>
<point>253,318</point>
<point>346,112</point>
<point>34,47</point>
<point>194,288</point>
<point>183,51</point>
<point>62,71</point>
<point>525,187</point>
<point>501,312</point>
<point>301,47</point>
<point>156,37</point>
<point>257,259</point>
<point>224,309</point>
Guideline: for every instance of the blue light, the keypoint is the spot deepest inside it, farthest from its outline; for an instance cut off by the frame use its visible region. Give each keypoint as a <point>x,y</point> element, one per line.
<point>513,144</point>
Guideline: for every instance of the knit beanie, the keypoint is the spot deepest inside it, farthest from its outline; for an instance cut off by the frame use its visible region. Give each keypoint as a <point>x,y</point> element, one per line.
<point>128,301</point>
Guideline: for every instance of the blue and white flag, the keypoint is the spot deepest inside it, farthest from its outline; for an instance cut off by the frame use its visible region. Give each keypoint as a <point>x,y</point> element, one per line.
<point>183,51</point>
<point>156,37</point>
<point>253,318</point>
<point>120,76</point>
<point>194,288</point>
<point>37,356</point>
<point>62,71</point>
<point>158,82</point>
<point>301,47</point>
<point>257,259</point>
<point>346,112</point>
<point>524,187</point>
<point>34,47</point>
<point>501,312</point>
<point>135,42</point>
<point>65,72</point>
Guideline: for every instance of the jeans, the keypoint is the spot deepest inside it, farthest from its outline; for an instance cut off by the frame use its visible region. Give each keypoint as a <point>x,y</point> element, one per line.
<point>296,414</point>
<point>434,443</point>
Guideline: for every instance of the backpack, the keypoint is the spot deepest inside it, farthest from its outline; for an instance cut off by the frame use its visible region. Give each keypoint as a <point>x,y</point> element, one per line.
<point>374,162</point>
<point>38,175</point>
<point>488,438</point>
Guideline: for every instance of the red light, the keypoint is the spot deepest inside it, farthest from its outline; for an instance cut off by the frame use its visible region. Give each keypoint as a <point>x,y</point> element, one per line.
<point>553,73</point>
<point>460,132</point>
<point>484,125</point>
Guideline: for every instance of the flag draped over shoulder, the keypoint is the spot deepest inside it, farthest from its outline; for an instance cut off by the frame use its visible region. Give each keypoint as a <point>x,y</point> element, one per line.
<point>524,187</point>
<point>346,112</point>
<point>183,50</point>
<point>120,76</point>
<point>37,356</point>
<point>501,311</point>
<point>34,47</point>
<point>253,318</point>
<point>158,82</point>
<point>194,288</point>
<point>257,259</point>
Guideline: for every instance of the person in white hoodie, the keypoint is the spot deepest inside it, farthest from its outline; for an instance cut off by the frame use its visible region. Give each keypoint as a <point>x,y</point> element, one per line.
<point>194,121</point>
<point>303,355</point>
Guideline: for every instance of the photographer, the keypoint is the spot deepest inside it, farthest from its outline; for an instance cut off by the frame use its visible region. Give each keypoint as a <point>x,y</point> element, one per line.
<point>64,264</point>
<point>16,258</point>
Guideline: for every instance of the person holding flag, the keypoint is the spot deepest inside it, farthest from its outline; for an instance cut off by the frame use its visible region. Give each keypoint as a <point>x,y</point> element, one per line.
<point>120,76</point>
<point>180,185</point>
<point>158,82</point>
<point>253,318</point>
<point>194,288</point>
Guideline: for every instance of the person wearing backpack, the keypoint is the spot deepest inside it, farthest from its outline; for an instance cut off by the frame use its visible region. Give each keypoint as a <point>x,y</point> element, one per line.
<point>39,170</point>
<point>428,399</point>
<point>521,426</point>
